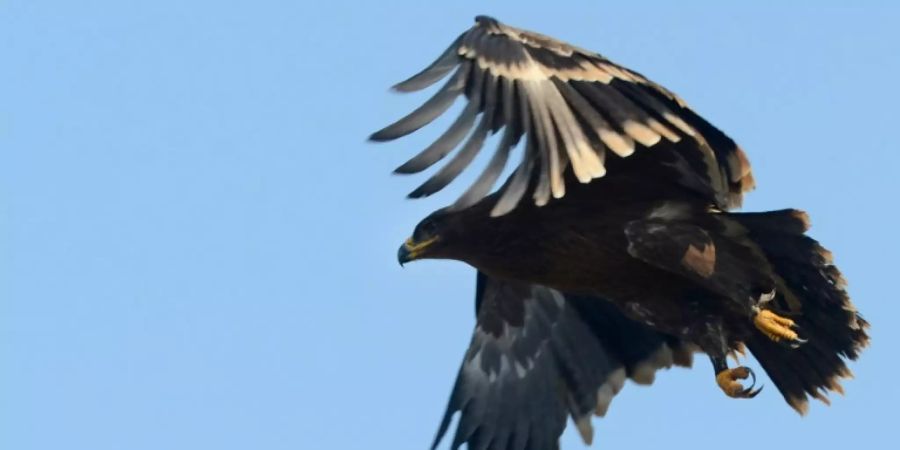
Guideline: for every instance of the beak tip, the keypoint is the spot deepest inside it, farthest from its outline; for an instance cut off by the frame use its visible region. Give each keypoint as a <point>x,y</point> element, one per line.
<point>403,255</point>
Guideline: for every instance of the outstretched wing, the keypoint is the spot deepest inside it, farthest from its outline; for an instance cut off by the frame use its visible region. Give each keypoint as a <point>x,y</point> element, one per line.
<point>572,105</point>
<point>538,356</point>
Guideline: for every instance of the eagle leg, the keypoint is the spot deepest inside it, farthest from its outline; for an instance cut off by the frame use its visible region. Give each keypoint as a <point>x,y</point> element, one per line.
<point>777,328</point>
<point>727,379</point>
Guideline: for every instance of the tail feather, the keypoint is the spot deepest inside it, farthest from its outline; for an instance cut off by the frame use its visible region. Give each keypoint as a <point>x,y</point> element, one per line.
<point>812,292</point>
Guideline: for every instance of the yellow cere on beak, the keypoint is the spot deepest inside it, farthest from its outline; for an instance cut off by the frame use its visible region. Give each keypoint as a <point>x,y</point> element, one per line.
<point>411,250</point>
<point>415,249</point>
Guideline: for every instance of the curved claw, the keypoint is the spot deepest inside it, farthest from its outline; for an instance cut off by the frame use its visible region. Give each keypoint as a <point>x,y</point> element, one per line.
<point>750,392</point>
<point>796,343</point>
<point>728,382</point>
<point>779,329</point>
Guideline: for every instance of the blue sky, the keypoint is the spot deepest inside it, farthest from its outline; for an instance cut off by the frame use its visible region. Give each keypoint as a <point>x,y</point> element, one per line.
<point>197,245</point>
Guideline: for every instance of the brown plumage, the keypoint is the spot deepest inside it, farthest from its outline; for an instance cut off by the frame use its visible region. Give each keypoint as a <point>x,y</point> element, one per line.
<point>644,228</point>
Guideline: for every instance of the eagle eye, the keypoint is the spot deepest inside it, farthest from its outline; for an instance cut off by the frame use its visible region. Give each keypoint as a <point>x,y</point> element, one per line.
<point>425,230</point>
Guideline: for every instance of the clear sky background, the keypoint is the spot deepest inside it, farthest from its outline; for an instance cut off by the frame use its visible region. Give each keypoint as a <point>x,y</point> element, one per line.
<point>197,245</point>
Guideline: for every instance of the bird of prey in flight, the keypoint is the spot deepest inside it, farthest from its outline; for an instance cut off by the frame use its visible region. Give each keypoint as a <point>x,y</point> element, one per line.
<point>612,249</point>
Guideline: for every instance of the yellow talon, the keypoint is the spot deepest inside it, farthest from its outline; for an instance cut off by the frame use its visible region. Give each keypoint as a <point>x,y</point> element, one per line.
<point>777,328</point>
<point>727,381</point>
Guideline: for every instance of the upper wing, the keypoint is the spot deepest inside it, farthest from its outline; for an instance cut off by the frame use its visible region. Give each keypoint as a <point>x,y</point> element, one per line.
<point>537,356</point>
<point>571,104</point>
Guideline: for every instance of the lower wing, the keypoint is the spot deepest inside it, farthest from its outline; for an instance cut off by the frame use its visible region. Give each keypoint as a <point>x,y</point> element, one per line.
<point>537,356</point>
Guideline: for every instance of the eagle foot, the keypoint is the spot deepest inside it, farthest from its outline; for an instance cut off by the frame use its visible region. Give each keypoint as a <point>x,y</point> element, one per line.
<point>728,382</point>
<point>777,328</point>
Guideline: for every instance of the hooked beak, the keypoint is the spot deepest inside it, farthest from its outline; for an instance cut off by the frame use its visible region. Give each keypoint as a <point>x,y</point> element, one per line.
<point>412,250</point>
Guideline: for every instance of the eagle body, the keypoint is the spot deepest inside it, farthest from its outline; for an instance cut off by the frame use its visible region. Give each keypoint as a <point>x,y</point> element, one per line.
<point>580,244</point>
<point>595,251</point>
<point>612,249</point>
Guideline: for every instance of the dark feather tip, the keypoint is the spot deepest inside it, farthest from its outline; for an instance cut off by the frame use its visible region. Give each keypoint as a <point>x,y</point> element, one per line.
<point>485,19</point>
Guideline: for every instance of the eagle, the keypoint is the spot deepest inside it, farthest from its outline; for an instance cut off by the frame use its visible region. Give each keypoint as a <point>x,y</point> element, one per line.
<point>612,249</point>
